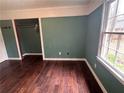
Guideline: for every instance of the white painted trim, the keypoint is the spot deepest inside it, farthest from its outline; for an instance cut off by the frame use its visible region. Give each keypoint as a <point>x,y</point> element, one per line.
<point>64,59</point>
<point>45,12</point>
<point>3,60</point>
<point>93,5</point>
<point>62,11</point>
<point>41,37</point>
<point>25,54</point>
<point>14,59</point>
<point>16,38</point>
<point>5,56</point>
<point>112,71</point>
<point>96,77</point>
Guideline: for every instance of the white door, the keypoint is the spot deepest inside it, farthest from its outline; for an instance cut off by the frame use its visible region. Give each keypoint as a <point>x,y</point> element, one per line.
<point>3,53</point>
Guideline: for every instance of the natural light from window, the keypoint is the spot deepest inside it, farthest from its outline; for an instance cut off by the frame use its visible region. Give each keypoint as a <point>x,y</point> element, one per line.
<point>112,46</point>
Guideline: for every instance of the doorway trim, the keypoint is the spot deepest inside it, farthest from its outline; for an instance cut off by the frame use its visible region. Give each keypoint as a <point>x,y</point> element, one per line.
<point>16,38</point>
<point>41,37</point>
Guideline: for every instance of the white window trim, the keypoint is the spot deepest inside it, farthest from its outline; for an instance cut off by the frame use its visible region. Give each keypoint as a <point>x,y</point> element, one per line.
<point>101,60</point>
<point>111,70</point>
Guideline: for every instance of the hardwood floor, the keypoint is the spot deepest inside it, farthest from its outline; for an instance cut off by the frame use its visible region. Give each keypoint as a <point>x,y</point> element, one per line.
<point>32,75</point>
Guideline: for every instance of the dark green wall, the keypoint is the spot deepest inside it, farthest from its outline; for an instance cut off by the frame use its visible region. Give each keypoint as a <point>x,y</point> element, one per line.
<point>64,34</point>
<point>78,36</point>
<point>9,38</point>
<point>111,84</point>
<point>29,37</point>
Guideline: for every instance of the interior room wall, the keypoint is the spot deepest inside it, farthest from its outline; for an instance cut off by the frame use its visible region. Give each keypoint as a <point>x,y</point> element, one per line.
<point>111,84</point>
<point>65,35</point>
<point>73,39</point>
<point>29,35</point>
<point>9,38</point>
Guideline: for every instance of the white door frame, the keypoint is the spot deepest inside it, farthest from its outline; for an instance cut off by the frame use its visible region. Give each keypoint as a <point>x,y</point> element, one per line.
<point>3,52</point>
<point>41,37</point>
<point>16,38</point>
<point>17,42</point>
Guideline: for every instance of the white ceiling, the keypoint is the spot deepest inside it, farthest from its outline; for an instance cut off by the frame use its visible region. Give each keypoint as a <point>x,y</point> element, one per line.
<point>29,4</point>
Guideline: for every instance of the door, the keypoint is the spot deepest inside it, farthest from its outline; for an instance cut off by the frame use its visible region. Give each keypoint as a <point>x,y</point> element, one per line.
<point>3,54</point>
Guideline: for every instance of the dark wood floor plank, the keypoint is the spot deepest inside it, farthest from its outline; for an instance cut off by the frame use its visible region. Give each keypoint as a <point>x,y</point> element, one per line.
<point>32,75</point>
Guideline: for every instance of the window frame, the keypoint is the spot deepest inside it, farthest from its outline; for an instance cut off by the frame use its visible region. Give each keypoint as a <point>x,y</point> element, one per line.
<point>109,67</point>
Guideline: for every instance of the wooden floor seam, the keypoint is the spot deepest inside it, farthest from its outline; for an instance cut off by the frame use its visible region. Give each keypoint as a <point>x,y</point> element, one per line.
<point>33,75</point>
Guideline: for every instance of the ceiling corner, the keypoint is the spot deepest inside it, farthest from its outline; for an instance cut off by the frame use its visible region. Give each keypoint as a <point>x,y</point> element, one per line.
<point>93,5</point>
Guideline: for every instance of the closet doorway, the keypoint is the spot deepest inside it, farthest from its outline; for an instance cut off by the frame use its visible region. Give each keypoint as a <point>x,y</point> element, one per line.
<point>28,33</point>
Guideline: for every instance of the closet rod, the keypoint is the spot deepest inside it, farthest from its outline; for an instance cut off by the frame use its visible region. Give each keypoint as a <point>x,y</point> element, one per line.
<point>26,26</point>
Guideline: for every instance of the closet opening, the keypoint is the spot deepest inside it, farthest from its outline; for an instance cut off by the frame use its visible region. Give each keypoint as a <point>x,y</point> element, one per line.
<point>28,33</point>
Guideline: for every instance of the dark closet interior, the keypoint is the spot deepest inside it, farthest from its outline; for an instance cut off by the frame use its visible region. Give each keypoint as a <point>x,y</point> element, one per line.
<point>28,35</point>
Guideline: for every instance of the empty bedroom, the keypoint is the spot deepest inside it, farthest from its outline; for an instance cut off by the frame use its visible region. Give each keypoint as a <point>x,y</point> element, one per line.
<point>61,46</point>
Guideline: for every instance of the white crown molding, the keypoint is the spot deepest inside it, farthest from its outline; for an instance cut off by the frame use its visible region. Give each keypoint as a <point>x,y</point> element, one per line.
<point>16,38</point>
<point>51,11</point>
<point>80,59</point>
<point>44,12</point>
<point>93,5</point>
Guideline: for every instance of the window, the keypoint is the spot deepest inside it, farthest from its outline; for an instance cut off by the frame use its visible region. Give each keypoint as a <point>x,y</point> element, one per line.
<point>111,49</point>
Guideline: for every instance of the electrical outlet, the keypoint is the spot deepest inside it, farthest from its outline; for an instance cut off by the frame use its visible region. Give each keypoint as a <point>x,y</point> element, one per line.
<point>67,53</point>
<point>95,65</point>
<point>60,53</point>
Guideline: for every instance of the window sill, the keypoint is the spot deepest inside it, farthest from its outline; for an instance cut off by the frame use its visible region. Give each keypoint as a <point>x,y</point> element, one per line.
<point>111,70</point>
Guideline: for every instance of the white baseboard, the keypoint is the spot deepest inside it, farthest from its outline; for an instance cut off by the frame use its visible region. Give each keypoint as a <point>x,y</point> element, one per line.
<point>80,59</point>
<point>14,59</point>
<point>64,59</point>
<point>25,54</point>
<point>96,77</point>
<point>68,59</point>
<point>3,60</point>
